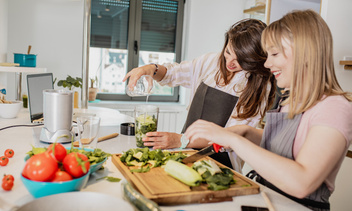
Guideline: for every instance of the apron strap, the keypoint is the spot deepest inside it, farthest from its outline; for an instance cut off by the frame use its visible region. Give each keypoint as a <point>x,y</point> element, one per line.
<point>306,202</point>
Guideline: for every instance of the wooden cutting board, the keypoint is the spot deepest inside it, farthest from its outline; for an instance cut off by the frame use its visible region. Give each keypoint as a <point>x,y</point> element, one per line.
<point>158,186</point>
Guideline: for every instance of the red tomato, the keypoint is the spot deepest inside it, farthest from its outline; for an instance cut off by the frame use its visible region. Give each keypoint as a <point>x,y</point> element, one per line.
<point>61,176</point>
<point>9,153</point>
<point>76,164</point>
<point>4,161</point>
<point>40,167</point>
<point>8,177</point>
<point>7,185</point>
<point>58,151</point>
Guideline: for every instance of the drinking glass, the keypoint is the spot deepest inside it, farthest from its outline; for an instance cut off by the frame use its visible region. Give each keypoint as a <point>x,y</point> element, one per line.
<point>88,128</point>
<point>146,120</point>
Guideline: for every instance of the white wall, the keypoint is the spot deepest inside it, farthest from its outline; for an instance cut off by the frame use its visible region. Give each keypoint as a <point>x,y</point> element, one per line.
<point>54,28</point>
<point>3,39</point>
<point>339,18</point>
<point>206,23</point>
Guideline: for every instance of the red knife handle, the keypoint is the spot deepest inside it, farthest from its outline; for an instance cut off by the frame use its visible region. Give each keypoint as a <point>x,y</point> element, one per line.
<point>217,147</point>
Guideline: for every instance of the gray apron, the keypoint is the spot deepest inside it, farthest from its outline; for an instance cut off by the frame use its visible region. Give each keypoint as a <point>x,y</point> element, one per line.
<point>215,106</point>
<point>278,137</point>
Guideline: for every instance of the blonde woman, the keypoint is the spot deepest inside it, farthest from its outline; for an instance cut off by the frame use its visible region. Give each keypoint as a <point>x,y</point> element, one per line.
<point>305,141</point>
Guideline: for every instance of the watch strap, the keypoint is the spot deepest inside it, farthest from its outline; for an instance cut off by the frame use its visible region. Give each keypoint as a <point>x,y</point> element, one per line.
<point>184,141</point>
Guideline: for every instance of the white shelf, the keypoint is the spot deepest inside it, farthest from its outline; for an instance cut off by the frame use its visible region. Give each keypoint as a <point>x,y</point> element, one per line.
<point>19,71</point>
<point>22,69</point>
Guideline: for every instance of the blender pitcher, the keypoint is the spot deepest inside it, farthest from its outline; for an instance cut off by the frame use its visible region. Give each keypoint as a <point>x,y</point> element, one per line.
<point>146,120</point>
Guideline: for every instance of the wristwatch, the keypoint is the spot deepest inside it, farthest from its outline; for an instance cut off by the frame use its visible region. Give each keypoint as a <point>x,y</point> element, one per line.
<point>184,141</point>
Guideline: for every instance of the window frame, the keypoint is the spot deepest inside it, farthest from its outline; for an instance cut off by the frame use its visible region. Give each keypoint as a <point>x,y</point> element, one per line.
<point>134,34</point>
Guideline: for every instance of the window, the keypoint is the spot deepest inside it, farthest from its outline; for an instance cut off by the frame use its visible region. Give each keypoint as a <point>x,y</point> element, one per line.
<point>131,33</point>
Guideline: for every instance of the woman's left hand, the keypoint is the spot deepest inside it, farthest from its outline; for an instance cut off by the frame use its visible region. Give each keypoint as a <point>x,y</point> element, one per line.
<point>162,140</point>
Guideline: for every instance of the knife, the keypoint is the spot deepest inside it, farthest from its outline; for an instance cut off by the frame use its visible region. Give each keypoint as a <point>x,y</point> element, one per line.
<point>214,148</point>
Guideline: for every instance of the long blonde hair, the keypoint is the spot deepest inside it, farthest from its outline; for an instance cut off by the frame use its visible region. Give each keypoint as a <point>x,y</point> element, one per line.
<point>313,74</point>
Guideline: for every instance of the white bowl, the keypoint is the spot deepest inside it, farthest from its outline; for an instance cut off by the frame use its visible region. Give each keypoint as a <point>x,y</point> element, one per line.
<point>10,110</point>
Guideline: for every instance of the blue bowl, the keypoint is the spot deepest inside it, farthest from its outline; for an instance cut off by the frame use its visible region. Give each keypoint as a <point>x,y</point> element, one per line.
<point>40,189</point>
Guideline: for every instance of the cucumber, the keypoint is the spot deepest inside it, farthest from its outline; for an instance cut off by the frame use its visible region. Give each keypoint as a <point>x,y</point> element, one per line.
<point>183,173</point>
<point>138,200</point>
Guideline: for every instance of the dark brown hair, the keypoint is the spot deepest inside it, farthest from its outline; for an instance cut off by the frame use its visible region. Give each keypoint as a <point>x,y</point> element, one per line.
<point>245,41</point>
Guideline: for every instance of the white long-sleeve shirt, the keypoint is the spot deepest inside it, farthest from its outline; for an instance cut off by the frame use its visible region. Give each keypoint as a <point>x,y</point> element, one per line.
<point>190,74</point>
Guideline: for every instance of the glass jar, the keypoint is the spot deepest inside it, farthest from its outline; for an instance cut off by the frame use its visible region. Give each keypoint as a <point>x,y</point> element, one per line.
<point>146,120</point>
<point>144,87</point>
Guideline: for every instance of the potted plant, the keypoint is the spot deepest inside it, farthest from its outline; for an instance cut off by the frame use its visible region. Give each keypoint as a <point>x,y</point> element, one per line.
<point>93,90</point>
<point>70,83</point>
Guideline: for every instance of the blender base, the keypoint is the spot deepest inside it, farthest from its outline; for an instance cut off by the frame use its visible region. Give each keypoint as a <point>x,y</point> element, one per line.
<point>59,136</point>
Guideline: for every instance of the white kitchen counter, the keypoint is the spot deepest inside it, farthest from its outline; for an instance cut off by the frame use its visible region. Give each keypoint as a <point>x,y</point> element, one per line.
<point>20,139</point>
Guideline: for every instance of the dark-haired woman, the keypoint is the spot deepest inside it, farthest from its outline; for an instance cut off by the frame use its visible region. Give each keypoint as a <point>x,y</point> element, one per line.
<point>228,88</point>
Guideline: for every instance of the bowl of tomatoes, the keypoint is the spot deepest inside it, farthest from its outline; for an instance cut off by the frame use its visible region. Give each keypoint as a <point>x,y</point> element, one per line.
<point>55,171</point>
<point>96,157</point>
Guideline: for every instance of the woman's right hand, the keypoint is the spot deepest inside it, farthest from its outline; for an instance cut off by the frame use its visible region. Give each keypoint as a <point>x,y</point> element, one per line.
<point>137,72</point>
<point>202,129</point>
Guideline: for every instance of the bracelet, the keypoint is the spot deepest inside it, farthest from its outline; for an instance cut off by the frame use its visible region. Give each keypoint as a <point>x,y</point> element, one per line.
<point>184,141</point>
<point>157,68</point>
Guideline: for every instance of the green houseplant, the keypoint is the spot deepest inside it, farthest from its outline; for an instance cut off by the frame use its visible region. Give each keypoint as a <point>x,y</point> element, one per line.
<point>92,90</point>
<point>70,83</point>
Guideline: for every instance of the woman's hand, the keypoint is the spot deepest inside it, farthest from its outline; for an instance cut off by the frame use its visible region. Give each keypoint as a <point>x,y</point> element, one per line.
<point>136,73</point>
<point>210,131</point>
<point>162,140</point>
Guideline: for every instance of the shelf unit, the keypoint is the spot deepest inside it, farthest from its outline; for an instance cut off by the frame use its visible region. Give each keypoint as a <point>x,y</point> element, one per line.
<point>347,64</point>
<point>18,71</point>
<point>256,9</point>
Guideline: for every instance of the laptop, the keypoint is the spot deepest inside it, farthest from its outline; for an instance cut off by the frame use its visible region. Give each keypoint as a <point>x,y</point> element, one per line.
<point>36,84</point>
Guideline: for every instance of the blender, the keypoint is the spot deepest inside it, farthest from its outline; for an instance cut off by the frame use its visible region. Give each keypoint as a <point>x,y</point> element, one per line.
<point>57,112</point>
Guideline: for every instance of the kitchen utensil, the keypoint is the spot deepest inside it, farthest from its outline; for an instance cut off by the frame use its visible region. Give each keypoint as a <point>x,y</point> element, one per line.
<point>163,189</point>
<point>29,49</point>
<point>214,148</point>
<point>267,201</point>
<point>103,138</point>
<point>57,112</point>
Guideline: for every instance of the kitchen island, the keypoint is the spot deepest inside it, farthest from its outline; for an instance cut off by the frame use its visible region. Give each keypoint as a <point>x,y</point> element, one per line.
<point>21,139</point>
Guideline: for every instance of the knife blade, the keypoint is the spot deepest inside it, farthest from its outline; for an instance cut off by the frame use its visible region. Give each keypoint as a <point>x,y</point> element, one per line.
<point>209,150</point>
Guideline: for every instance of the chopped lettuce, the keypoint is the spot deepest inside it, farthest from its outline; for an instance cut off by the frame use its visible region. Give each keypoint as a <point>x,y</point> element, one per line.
<point>216,178</point>
<point>144,124</point>
<point>152,158</point>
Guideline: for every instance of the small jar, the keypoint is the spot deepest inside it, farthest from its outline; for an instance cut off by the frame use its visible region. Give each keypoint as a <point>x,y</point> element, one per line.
<point>146,120</point>
<point>25,100</point>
